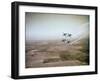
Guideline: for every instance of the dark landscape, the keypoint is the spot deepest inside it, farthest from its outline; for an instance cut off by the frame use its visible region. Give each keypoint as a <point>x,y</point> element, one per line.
<point>52,53</point>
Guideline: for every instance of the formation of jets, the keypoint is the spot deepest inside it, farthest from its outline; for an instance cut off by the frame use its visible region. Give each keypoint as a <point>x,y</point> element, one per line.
<point>66,38</point>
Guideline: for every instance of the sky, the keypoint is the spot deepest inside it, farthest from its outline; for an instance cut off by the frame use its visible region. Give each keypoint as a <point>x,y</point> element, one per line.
<point>50,26</point>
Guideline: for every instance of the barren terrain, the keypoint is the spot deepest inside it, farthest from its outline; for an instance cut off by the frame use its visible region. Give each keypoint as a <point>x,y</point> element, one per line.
<point>54,53</point>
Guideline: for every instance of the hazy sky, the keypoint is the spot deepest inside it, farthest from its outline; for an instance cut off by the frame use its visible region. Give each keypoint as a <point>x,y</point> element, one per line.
<point>48,26</point>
